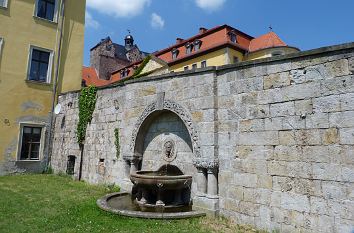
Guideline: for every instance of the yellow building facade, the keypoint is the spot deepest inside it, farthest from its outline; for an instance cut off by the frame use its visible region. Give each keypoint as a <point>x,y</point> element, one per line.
<point>41,53</point>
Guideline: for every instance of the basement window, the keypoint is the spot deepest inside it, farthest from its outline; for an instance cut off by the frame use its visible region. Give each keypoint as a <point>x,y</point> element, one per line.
<point>70,166</point>
<point>3,3</point>
<point>40,65</point>
<point>46,9</point>
<point>31,137</point>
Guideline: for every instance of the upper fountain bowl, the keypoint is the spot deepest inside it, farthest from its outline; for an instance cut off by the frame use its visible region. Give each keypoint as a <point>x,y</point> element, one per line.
<point>168,176</point>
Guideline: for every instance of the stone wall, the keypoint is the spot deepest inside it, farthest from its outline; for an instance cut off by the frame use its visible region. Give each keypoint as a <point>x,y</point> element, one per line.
<point>286,144</point>
<point>271,141</point>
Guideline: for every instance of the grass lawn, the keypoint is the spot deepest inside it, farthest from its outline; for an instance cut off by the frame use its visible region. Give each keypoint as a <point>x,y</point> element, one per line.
<point>50,203</point>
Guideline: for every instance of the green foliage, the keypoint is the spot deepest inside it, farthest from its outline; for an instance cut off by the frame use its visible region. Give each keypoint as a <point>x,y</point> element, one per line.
<point>112,188</point>
<point>143,74</point>
<point>116,142</point>
<point>87,104</point>
<point>48,170</point>
<point>50,203</point>
<point>141,67</point>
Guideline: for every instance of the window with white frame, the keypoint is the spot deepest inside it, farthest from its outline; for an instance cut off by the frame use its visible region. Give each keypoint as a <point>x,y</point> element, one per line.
<point>197,44</point>
<point>194,66</point>
<point>31,137</point>
<point>174,53</point>
<point>124,73</point>
<point>203,64</point>
<point>40,65</point>
<point>3,3</point>
<point>233,36</point>
<point>185,68</point>
<point>47,9</point>
<point>189,48</point>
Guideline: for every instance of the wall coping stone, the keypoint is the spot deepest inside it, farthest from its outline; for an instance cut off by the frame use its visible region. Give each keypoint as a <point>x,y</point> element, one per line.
<point>244,64</point>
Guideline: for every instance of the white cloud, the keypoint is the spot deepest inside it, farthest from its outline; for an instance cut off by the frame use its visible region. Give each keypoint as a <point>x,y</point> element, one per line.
<point>90,22</point>
<point>119,8</point>
<point>156,21</point>
<point>210,5</point>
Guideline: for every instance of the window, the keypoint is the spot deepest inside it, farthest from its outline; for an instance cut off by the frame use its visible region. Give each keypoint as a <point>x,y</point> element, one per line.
<point>124,73</point>
<point>3,3</point>
<point>46,9</point>
<point>70,165</point>
<point>197,44</point>
<point>235,60</point>
<point>194,66</point>
<point>30,142</point>
<point>40,65</point>
<point>203,64</point>
<point>189,47</point>
<point>174,53</point>
<point>277,53</point>
<point>233,36</point>
<point>185,68</point>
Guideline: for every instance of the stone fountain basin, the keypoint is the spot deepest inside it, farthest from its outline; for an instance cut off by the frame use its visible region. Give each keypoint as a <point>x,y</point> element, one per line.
<point>149,178</point>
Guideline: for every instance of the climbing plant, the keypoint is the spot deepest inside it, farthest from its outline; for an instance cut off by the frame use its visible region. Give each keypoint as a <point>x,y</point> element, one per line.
<point>116,142</point>
<point>137,72</point>
<point>87,102</point>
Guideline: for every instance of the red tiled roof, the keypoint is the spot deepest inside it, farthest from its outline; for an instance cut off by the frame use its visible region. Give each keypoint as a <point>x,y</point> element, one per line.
<point>268,40</point>
<point>89,75</point>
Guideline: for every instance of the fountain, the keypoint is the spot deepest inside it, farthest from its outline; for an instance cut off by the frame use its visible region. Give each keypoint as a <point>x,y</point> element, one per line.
<point>161,194</point>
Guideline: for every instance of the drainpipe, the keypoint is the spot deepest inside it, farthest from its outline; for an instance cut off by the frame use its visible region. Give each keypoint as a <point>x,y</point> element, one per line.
<point>55,83</point>
<point>81,159</point>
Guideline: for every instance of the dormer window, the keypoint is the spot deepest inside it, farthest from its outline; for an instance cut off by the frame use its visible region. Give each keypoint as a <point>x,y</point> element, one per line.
<point>124,73</point>
<point>174,53</point>
<point>197,44</point>
<point>233,37</point>
<point>189,47</point>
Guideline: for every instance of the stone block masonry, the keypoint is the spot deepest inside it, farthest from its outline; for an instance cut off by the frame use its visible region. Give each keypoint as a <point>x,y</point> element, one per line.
<point>269,143</point>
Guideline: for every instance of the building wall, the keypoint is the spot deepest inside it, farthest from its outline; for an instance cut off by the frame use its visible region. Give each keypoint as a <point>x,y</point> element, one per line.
<point>216,58</point>
<point>24,101</point>
<point>264,53</point>
<point>280,129</point>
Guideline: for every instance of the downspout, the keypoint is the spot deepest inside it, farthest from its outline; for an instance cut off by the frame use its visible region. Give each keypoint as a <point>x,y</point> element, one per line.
<point>55,84</point>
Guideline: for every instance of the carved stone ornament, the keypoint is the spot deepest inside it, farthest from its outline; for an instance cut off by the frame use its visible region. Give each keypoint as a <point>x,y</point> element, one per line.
<point>169,151</point>
<point>179,111</point>
<point>210,164</point>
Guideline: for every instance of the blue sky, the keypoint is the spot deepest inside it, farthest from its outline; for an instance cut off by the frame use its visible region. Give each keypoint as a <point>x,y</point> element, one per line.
<point>155,24</point>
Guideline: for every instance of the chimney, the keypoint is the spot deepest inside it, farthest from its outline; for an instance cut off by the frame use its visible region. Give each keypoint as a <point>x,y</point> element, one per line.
<point>202,30</point>
<point>178,40</point>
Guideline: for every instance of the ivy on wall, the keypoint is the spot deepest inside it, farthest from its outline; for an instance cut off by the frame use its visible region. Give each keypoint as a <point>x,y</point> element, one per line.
<point>137,72</point>
<point>116,142</point>
<point>87,102</point>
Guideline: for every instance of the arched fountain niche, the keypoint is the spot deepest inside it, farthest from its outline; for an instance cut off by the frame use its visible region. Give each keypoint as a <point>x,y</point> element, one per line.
<point>164,139</point>
<point>164,145</point>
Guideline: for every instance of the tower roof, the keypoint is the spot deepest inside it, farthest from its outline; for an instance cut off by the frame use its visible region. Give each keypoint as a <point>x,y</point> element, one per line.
<point>269,40</point>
